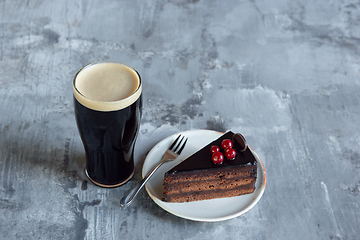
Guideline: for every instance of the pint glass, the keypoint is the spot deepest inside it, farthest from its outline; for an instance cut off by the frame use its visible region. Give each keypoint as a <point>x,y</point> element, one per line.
<point>107,104</point>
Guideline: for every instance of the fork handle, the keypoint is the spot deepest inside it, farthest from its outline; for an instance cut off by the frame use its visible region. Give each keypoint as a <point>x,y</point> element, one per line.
<point>126,201</point>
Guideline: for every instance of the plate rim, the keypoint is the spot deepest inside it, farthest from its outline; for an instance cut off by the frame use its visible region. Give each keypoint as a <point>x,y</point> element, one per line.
<point>160,203</point>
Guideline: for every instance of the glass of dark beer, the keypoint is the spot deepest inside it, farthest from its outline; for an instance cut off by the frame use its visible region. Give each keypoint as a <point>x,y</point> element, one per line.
<point>108,106</point>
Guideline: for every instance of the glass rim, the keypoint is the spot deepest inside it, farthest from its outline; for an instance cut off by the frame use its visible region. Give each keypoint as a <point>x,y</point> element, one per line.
<point>108,105</point>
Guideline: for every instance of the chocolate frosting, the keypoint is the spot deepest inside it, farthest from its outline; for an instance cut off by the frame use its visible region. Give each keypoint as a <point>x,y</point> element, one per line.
<point>201,160</point>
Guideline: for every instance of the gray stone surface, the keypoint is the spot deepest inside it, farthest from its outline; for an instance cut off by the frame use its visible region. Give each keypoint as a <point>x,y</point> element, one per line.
<point>284,73</point>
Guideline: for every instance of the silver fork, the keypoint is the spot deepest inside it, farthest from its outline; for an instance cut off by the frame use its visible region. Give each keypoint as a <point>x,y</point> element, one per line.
<point>171,154</point>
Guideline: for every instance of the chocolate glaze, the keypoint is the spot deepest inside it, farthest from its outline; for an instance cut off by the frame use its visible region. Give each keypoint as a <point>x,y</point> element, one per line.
<point>201,160</point>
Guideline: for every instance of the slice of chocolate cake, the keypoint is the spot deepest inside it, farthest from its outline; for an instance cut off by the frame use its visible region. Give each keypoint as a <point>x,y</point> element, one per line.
<point>199,178</point>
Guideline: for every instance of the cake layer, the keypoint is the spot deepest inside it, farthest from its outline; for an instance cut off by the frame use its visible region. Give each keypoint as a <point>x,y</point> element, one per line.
<point>216,173</point>
<point>220,184</point>
<point>204,195</point>
<point>215,179</point>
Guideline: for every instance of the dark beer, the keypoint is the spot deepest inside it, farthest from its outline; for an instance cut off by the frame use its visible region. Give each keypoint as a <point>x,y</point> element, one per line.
<point>108,102</point>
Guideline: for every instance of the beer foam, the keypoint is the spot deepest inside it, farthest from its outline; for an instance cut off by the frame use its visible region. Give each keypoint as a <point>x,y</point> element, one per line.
<point>107,86</point>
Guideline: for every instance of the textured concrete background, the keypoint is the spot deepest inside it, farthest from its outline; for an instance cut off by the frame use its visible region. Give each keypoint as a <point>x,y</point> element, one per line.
<point>283,73</point>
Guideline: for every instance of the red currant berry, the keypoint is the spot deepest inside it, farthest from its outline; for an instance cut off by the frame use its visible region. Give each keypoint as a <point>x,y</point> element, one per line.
<point>226,143</point>
<point>214,149</point>
<point>230,153</point>
<point>217,158</point>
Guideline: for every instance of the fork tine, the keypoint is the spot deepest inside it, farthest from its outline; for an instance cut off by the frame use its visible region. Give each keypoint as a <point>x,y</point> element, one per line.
<point>177,146</point>
<point>173,144</point>
<point>182,147</point>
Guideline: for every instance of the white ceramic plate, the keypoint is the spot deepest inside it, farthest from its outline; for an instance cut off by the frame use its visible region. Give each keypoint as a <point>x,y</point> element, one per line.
<point>208,210</point>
